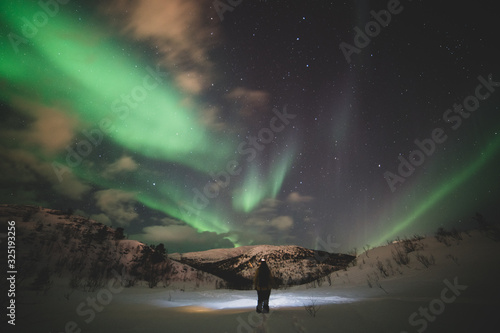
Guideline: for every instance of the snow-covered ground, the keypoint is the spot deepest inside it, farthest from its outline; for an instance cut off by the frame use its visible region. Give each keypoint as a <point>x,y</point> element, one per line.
<point>224,300</point>
<point>457,294</point>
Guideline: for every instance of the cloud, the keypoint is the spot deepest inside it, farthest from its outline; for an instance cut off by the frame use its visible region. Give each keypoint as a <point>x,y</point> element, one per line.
<point>257,222</point>
<point>295,197</point>
<point>211,117</point>
<point>183,238</point>
<point>282,223</point>
<point>271,223</point>
<point>102,218</point>
<point>28,162</point>
<point>268,207</point>
<point>251,102</point>
<point>263,224</point>
<point>180,30</point>
<point>184,34</point>
<point>167,221</point>
<point>125,163</point>
<point>117,205</point>
<point>267,230</point>
<point>71,187</point>
<point>267,210</point>
<point>51,129</point>
<point>80,212</point>
<point>23,169</point>
<point>266,225</point>
<point>191,81</point>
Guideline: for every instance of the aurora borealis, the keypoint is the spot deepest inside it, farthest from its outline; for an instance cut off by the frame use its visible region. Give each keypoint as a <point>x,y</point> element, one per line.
<point>159,117</point>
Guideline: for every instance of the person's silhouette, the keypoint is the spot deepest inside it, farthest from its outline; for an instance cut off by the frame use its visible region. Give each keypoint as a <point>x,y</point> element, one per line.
<point>263,282</point>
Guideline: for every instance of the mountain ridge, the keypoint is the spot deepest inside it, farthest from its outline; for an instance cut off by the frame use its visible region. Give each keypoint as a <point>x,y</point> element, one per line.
<point>58,243</point>
<point>290,264</point>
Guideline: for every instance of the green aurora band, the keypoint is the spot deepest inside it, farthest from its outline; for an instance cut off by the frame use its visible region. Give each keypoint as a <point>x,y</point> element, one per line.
<point>74,67</point>
<point>255,189</point>
<point>77,68</point>
<point>442,191</point>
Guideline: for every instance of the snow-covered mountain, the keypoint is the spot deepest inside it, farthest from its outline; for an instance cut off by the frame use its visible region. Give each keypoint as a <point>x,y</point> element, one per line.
<point>57,244</point>
<point>54,244</point>
<point>291,265</point>
<point>391,288</point>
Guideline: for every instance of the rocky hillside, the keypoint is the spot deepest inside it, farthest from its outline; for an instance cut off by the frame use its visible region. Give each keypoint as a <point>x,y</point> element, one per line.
<point>53,244</point>
<point>291,265</point>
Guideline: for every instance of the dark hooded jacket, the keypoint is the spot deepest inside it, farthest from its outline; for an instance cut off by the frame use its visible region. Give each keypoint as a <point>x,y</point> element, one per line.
<point>263,279</point>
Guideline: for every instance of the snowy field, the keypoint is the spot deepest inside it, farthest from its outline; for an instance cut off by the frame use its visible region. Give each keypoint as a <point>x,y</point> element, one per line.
<point>457,294</point>
<point>222,299</point>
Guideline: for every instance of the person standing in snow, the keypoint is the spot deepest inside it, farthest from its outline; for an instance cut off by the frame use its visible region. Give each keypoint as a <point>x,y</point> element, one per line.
<point>263,282</point>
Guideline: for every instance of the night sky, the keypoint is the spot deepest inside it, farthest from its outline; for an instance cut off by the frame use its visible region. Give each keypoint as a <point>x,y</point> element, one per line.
<point>207,124</point>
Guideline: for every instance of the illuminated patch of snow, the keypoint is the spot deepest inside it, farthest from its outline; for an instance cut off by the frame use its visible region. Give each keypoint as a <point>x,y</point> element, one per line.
<point>241,299</point>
